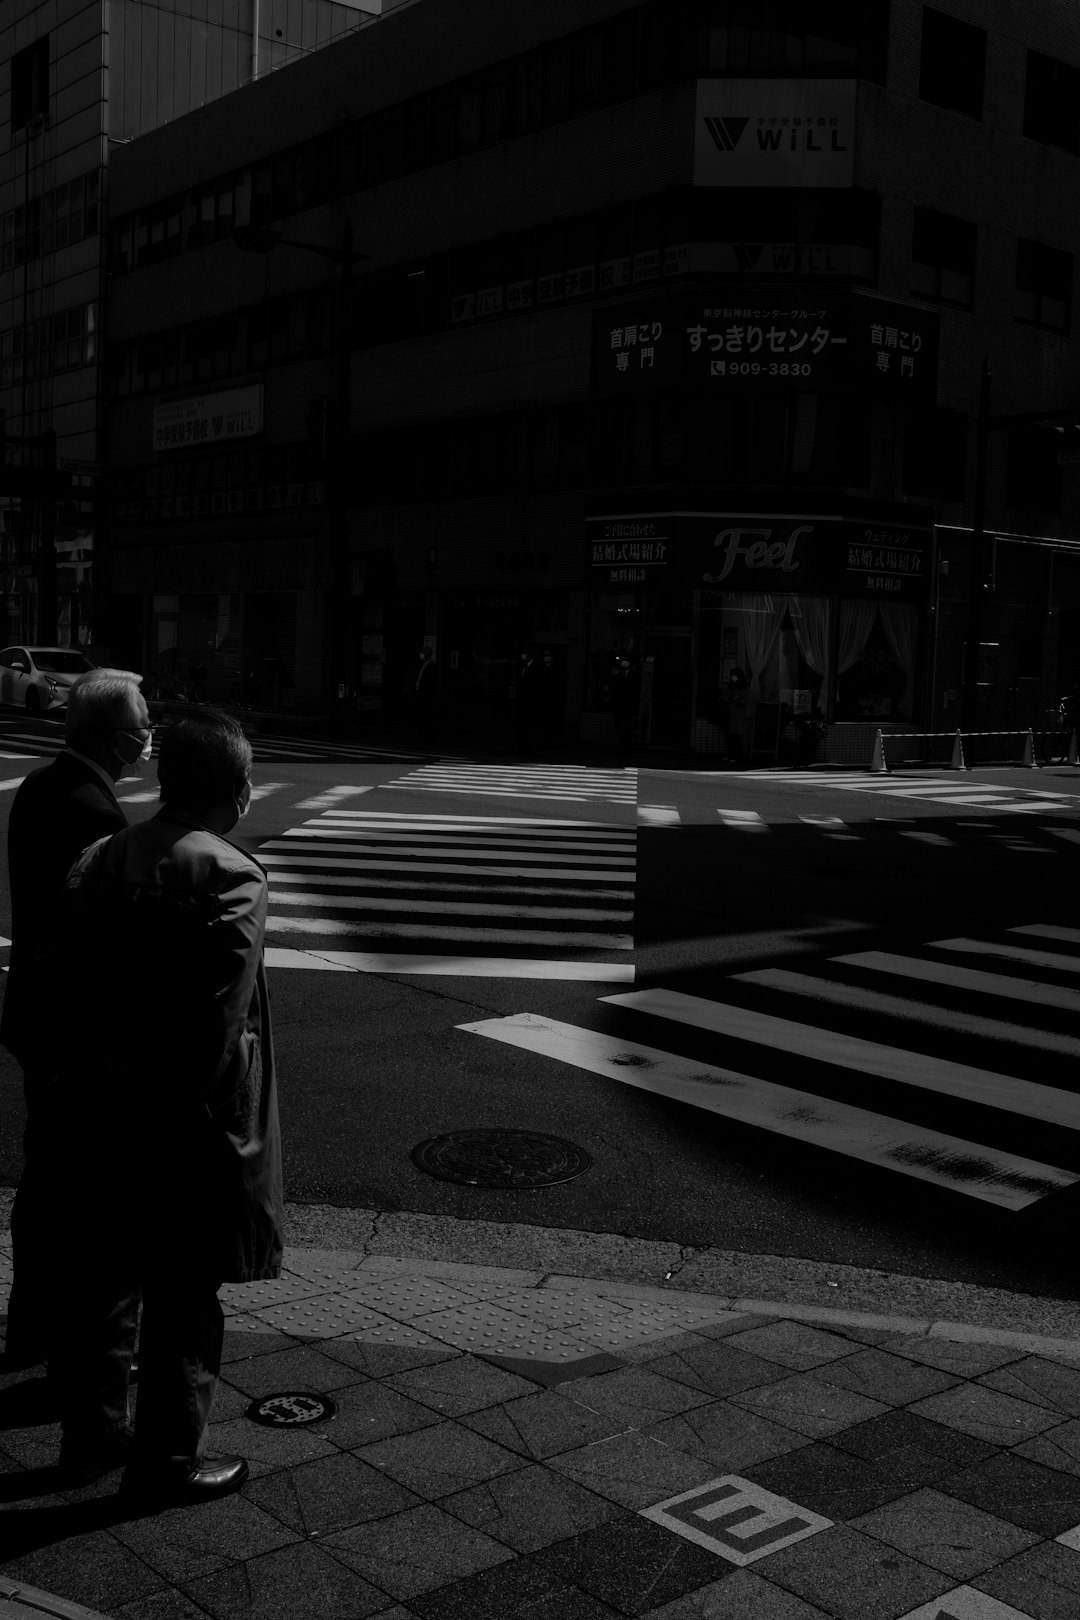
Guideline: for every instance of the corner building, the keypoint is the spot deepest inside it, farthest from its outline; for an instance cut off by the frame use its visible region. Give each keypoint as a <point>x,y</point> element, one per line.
<point>668,346</point>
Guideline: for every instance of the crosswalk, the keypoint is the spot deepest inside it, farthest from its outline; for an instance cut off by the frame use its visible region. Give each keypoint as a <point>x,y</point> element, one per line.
<point>577,784</point>
<point>947,788</point>
<point>835,829</point>
<point>470,896</point>
<point>902,1060</point>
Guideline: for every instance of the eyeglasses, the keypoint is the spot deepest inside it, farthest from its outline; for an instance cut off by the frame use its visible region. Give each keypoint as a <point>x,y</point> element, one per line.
<point>137,733</point>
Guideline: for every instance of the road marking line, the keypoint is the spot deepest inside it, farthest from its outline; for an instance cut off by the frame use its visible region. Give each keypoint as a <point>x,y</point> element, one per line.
<point>744,820</point>
<point>363,848</point>
<point>445,868</point>
<point>12,782</point>
<point>459,823</point>
<point>1011,953</point>
<point>143,798</point>
<point>461,908</point>
<point>823,821</point>
<point>504,936</point>
<point>920,1012</point>
<point>658,815</point>
<point>1067,936</point>
<point>463,967</point>
<point>920,1069</point>
<point>1068,833</point>
<point>946,1161</point>
<point>963,978</point>
<point>264,789</point>
<point>928,837</point>
<point>323,801</point>
<point>424,838</point>
<point>532,891</point>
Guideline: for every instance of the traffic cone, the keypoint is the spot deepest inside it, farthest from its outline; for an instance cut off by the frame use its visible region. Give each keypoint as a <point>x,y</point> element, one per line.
<point>877,759</point>
<point>1029,751</point>
<point>957,761</point>
<point>1074,757</point>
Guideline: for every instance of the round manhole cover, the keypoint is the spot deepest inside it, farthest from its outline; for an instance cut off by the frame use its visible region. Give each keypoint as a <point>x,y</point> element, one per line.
<point>289,1410</point>
<point>491,1158</point>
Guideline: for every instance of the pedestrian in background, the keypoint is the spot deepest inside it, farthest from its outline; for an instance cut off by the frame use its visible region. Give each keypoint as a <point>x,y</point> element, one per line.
<point>56,813</point>
<point>526,702</point>
<point>427,697</point>
<point>167,1107</point>
<point>624,702</point>
<point>551,699</point>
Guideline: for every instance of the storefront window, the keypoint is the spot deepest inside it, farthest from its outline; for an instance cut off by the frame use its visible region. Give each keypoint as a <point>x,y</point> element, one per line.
<point>876,661</point>
<point>761,649</point>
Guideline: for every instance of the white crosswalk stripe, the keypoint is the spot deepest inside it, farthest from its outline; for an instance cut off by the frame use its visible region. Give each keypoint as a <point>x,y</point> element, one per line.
<point>569,783</point>
<point>658,815</point>
<point>950,789</point>
<point>462,887</point>
<point>890,1101</point>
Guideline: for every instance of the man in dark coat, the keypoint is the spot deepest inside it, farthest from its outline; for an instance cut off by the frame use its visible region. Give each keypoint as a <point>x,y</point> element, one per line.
<point>167,1112</point>
<point>56,813</point>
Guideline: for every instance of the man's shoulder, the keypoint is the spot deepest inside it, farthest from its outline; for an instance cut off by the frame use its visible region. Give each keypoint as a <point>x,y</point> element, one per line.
<point>65,782</point>
<point>198,846</point>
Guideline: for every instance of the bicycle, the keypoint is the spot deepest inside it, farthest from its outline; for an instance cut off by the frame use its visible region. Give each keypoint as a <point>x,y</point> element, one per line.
<point>1052,742</point>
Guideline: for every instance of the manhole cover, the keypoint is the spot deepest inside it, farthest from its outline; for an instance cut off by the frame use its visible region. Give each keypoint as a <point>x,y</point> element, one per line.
<point>289,1410</point>
<point>501,1158</point>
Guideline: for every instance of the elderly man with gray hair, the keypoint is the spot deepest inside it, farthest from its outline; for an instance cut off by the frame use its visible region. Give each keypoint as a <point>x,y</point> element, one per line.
<point>56,813</point>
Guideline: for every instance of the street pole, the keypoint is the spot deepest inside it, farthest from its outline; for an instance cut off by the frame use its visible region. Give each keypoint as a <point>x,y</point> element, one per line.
<point>976,585</point>
<point>46,615</point>
<point>339,514</point>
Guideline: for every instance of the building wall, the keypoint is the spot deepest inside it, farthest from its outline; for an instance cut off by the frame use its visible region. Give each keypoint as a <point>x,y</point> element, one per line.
<point>911,153</point>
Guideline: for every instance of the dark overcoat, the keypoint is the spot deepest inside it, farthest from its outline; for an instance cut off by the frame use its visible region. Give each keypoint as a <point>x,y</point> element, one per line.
<point>168,1089</point>
<point>56,813</point>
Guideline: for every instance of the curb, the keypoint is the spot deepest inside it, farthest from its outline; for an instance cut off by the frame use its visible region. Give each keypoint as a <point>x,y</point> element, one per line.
<point>19,1602</point>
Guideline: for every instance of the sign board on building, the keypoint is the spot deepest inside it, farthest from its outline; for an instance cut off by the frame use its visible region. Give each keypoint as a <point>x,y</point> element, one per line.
<point>206,419</point>
<point>737,552</point>
<point>733,337</point>
<point>774,132</point>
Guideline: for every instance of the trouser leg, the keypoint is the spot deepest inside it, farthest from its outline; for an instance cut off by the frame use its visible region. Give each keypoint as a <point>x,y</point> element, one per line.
<point>90,1361</point>
<point>35,1278</point>
<point>180,1344</point>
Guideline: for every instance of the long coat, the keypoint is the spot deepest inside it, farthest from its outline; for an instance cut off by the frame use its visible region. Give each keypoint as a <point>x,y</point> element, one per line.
<point>168,1091</point>
<point>56,813</point>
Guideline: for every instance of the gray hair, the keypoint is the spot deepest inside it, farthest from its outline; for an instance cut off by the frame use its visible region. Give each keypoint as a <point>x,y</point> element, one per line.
<point>100,702</point>
<point>203,761</point>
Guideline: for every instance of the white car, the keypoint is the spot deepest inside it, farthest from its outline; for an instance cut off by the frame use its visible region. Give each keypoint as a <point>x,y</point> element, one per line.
<point>38,678</point>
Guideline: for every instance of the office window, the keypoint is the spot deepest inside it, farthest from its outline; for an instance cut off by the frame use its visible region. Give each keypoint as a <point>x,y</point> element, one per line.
<point>935,452</point>
<point>953,63</point>
<point>1044,277</point>
<point>1052,102</point>
<point>943,258</point>
<point>1032,474</point>
<point>30,83</point>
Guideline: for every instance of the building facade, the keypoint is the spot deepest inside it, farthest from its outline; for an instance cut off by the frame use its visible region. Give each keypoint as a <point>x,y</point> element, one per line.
<point>652,331</point>
<point>78,78</point>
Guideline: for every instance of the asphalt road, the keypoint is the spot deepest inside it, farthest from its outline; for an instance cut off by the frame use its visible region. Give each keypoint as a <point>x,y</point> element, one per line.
<point>736,873</point>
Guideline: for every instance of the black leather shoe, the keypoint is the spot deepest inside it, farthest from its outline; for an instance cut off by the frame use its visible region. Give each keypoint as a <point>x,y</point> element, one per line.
<point>214,1476</point>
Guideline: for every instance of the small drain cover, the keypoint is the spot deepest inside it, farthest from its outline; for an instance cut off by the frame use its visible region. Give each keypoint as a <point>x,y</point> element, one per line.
<point>289,1410</point>
<point>491,1158</point>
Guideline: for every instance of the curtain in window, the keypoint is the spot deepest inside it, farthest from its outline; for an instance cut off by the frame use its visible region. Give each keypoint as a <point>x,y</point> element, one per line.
<point>856,623</point>
<point>762,618</point>
<point>901,627</point>
<point>810,622</point>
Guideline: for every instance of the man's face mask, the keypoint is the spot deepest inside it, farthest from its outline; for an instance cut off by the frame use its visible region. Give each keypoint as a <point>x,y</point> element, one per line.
<point>133,748</point>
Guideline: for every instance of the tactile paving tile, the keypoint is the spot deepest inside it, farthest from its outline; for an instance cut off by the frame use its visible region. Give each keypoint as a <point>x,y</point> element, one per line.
<point>336,1271</point>
<point>405,1298</point>
<point>395,1333</point>
<point>485,1328</point>
<point>253,1296</point>
<point>323,1318</point>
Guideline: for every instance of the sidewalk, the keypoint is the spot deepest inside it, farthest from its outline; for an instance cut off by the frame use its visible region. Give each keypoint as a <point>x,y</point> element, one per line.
<point>517,1441</point>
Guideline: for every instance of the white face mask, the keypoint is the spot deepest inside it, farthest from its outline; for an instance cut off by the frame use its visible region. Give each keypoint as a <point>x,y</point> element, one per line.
<point>243,803</point>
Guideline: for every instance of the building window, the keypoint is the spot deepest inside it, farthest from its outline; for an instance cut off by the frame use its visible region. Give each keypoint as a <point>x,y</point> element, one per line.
<point>942,258</point>
<point>30,83</point>
<point>935,453</point>
<point>1032,474</point>
<point>788,39</point>
<point>1052,102</point>
<point>953,64</point>
<point>1044,277</point>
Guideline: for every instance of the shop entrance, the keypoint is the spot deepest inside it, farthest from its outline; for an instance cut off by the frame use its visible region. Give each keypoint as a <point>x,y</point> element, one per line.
<point>667,680</point>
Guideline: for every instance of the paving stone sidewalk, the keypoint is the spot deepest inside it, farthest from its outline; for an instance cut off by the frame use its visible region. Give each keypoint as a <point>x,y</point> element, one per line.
<point>511,1444</point>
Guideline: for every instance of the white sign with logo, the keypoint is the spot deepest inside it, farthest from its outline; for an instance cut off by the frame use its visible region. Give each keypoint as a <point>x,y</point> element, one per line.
<point>235,413</point>
<point>774,132</point>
